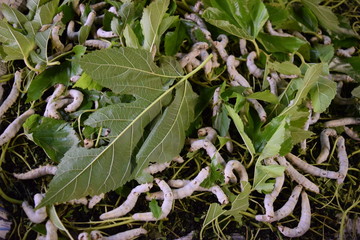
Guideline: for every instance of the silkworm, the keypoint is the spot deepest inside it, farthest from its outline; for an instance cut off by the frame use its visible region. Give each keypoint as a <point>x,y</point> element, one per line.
<point>129,234</point>
<point>308,168</point>
<point>128,204</point>
<point>197,7</point>
<point>314,118</point>
<point>242,45</point>
<point>220,46</point>
<point>55,39</point>
<point>37,172</point>
<point>209,148</point>
<point>159,167</point>
<point>189,236</point>
<point>343,159</point>
<point>84,236</point>
<point>58,91</point>
<point>288,76</point>
<point>70,31</point>
<point>351,133</point>
<point>77,98</point>
<point>346,52</point>
<point>216,102</point>
<point>208,66</point>
<point>325,144</point>
<point>14,93</point>
<point>234,74</point>
<point>35,216</point>
<point>196,19</point>
<point>253,69</point>
<point>178,183</point>
<point>296,176</point>
<point>259,109</point>
<point>229,176</point>
<point>88,143</point>
<point>100,44</point>
<point>51,231</point>
<point>101,33</point>
<point>273,32</point>
<point>305,219</point>
<point>342,122</point>
<point>194,52</point>
<point>51,109</point>
<point>286,209</point>
<point>341,77</point>
<point>95,200</point>
<point>14,127</point>
<point>273,85</point>
<point>81,201</point>
<point>209,132</point>
<point>165,207</point>
<point>270,198</point>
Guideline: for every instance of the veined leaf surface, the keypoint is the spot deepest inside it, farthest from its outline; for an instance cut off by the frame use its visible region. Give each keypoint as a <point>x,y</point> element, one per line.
<point>133,144</point>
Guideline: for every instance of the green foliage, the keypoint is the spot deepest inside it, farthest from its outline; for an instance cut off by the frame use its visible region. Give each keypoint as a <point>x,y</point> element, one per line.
<point>155,208</point>
<point>288,44</point>
<point>263,174</point>
<point>56,137</point>
<point>322,93</point>
<point>241,18</point>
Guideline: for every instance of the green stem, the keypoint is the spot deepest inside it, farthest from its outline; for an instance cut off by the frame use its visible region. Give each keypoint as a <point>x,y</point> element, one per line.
<point>256,48</point>
<point>29,65</point>
<point>9,199</point>
<point>343,219</point>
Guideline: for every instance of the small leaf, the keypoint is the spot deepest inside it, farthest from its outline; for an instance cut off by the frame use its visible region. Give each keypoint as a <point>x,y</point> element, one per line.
<point>304,16</point>
<point>263,174</point>
<point>356,92</point>
<point>213,213</point>
<point>173,40</point>
<point>56,137</point>
<point>86,82</point>
<point>324,52</point>
<point>265,96</point>
<point>155,208</point>
<point>151,20</point>
<point>42,41</point>
<point>57,222</point>
<point>215,176</point>
<point>84,33</point>
<point>45,13</point>
<point>222,121</point>
<point>240,203</point>
<point>286,67</point>
<point>288,44</point>
<point>240,127</point>
<point>131,39</point>
<point>299,134</point>
<point>322,93</point>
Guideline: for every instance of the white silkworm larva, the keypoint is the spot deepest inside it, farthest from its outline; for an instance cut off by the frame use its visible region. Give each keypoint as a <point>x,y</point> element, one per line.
<point>305,219</point>
<point>100,44</point>
<point>308,168</point>
<point>273,85</point>
<point>343,159</point>
<point>55,39</point>
<point>128,204</point>
<point>208,66</point>
<point>81,201</point>
<point>95,200</point>
<point>296,176</point>
<point>159,167</point>
<point>196,19</point>
<point>341,100</point>
<point>258,108</point>
<point>209,132</point>
<point>14,127</point>
<point>346,52</point>
<point>178,183</point>
<point>314,118</point>
<point>303,143</point>
<point>101,33</point>
<point>325,144</point>
<point>37,172</point>
<point>273,32</point>
<point>270,198</point>
<point>59,89</point>
<point>127,235</point>
<point>229,144</point>
<point>197,7</point>
<point>341,77</point>
<point>14,93</point>
<point>216,102</point>
<point>286,209</point>
<point>234,74</point>
<point>243,49</point>
<point>229,176</point>
<point>37,216</point>
<point>194,52</point>
<point>51,232</point>
<point>51,109</point>
<point>253,69</point>
<point>88,143</point>
<point>342,122</point>
<point>351,133</point>
<point>210,149</point>
<point>165,207</point>
<point>84,236</point>
<point>220,46</point>
<point>71,34</point>
<point>77,97</point>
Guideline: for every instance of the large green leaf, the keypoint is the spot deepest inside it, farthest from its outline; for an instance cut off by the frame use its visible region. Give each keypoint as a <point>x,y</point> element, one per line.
<point>242,18</point>
<point>149,129</point>
<point>322,93</point>
<point>13,15</point>
<point>56,137</point>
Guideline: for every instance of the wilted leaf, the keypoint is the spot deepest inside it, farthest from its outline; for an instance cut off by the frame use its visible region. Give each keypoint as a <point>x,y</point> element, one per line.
<point>322,93</point>
<point>56,137</point>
